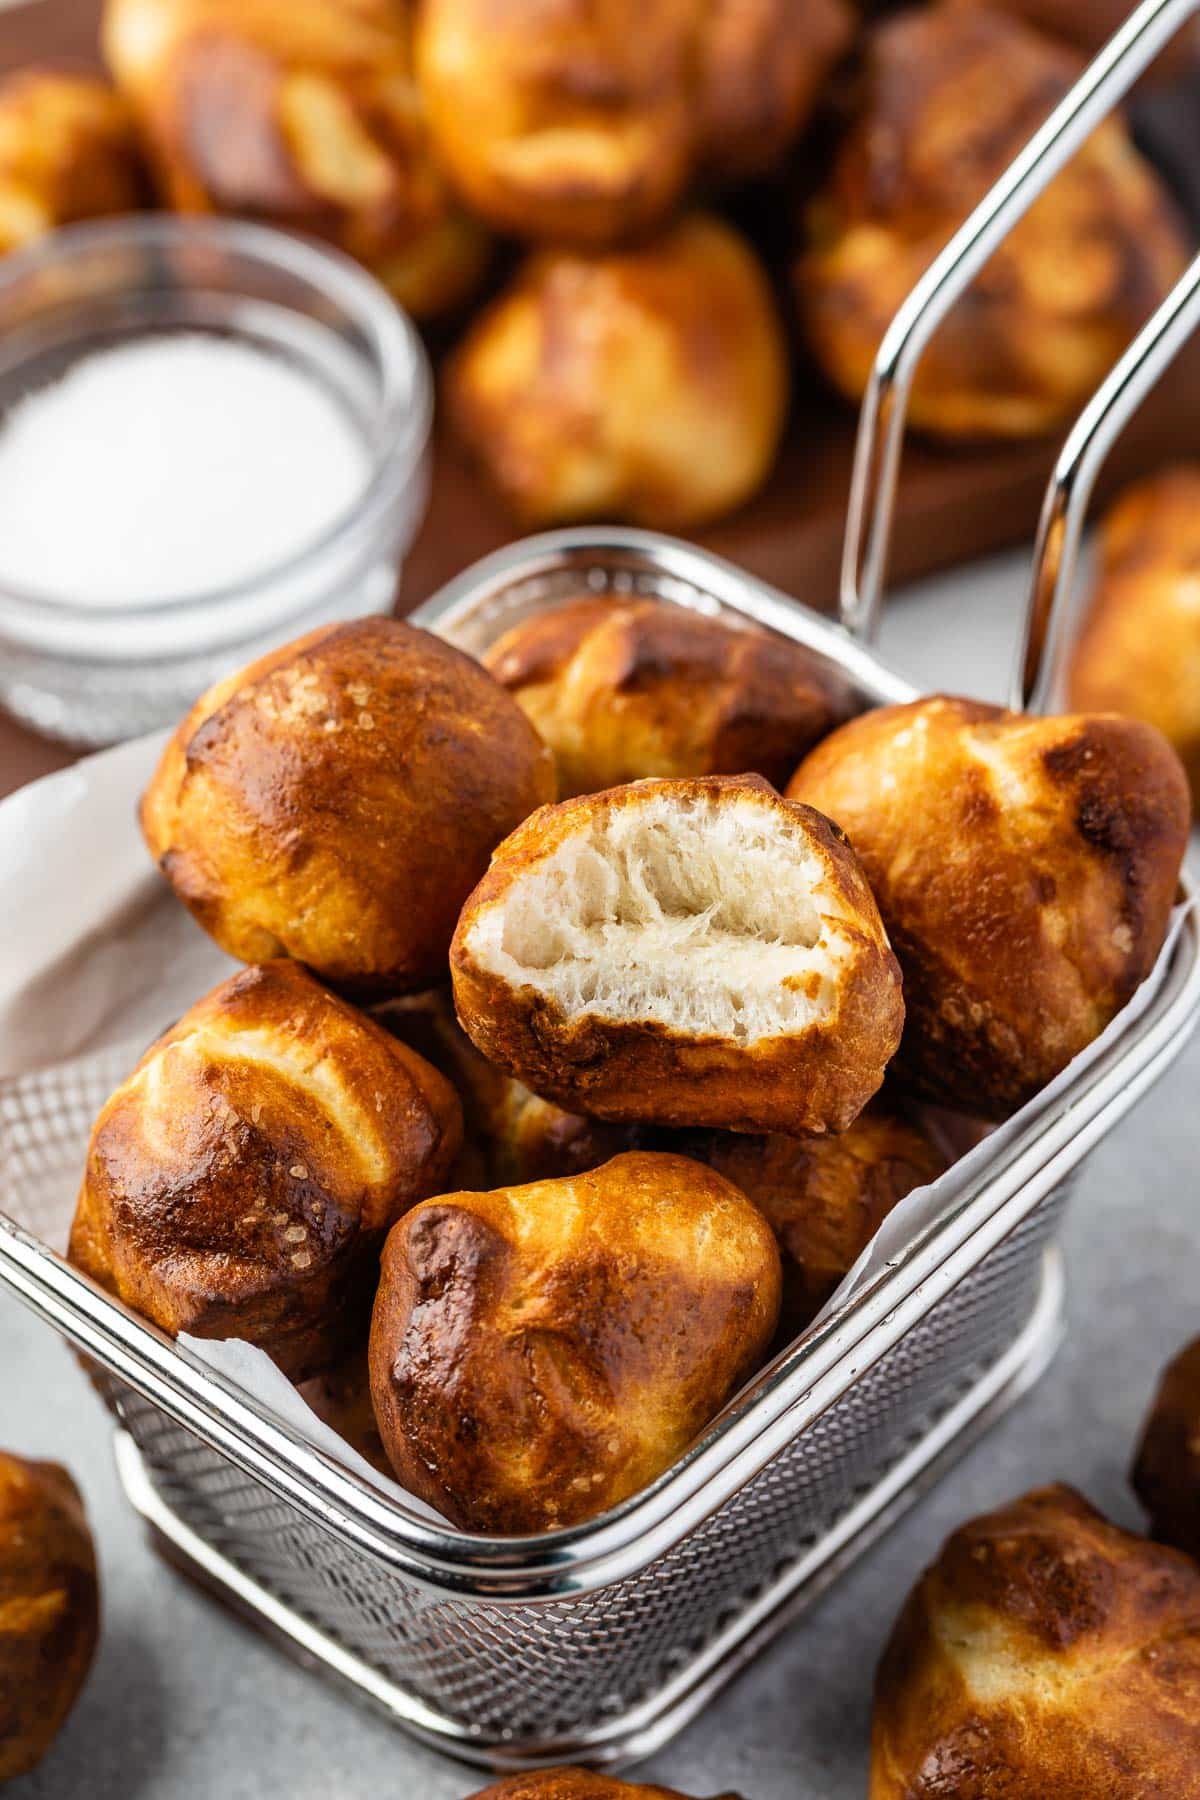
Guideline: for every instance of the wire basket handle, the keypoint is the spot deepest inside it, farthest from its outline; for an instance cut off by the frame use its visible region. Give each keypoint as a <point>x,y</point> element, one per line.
<point>1037,681</point>
<point>882,420</point>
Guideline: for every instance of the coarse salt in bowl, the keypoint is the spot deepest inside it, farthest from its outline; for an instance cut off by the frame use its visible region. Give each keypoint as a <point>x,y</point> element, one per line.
<point>213,437</point>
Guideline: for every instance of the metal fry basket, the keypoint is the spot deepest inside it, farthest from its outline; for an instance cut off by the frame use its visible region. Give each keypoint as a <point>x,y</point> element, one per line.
<point>598,1642</point>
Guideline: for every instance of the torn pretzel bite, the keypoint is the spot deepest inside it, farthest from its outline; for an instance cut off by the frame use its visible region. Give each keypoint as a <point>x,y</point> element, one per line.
<point>692,952</point>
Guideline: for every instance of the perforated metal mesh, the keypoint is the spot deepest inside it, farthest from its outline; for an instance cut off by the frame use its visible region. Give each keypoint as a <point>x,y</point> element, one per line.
<point>517,1673</point>
<point>543,1669</point>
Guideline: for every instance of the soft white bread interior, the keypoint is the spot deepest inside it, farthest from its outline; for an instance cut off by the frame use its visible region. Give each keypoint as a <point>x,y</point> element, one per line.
<point>693,951</point>
<point>704,912</point>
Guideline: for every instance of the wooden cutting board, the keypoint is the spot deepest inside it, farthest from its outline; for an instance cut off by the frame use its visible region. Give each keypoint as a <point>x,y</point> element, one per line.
<point>953,504</point>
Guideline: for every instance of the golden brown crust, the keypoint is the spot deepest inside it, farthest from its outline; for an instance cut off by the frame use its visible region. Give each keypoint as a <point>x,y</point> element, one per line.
<point>950,97</point>
<point>814,1078</point>
<point>576,1784</point>
<point>534,1140</point>
<point>647,384</point>
<point>1025,870</point>
<point>512,1135</point>
<point>306,115</point>
<point>1138,651</point>
<point>241,1181</point>
<point>1046,1652</point>
<point>561,119</point>
<point>1088,25</point>
<point>337,801</point>
<point>49,1607</point>
<point>540,1353</point>
<point>582,124</point>
<point>623,689</point>
<point>1166,1472</point>
<point>825,1198</point>
<point>341,1398</point>
<point>67,152</point>
<point>760,66</point>
<point>426,1023</point>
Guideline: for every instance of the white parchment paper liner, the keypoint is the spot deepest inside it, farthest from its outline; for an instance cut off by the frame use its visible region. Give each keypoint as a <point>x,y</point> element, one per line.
<point>95,952</point>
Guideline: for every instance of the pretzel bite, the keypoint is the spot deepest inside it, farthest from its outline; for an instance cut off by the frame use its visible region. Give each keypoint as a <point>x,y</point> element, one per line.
<point>825,1198</point>
<point>540,1353</point>
<point>512,1136</point>
<point>761,65</point>
<point>561,119</point>
<point>1088,25</point>
<point>49,1608</point>
<point>341,1398</point>
<point>950,98</point>
<point>67,152</point>
<point>1166,1473</point>
<point>692,952</point>
<point>576,1784</point>
<point>647,384</point>
<point>441,269</point>
<point>1045,1653</point>
<point>621,689</point>
<point>1139,648</point>
<point>338,800</point>
<point>240,1182</point>
<point>1025,869</point>
<point>306,115</point>
<point>532,1139</point>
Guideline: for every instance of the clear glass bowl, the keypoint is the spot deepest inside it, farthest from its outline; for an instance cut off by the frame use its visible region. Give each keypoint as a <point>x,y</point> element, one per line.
<point>95,675</point>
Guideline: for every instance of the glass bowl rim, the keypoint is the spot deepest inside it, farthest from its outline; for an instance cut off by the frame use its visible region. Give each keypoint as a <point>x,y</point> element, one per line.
<point>407,407</point>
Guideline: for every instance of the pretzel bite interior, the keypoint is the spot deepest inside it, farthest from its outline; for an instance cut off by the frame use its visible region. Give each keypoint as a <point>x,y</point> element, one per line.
<point>682,952</point>
<point>707,921</point>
